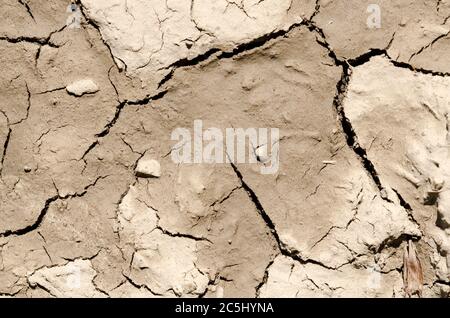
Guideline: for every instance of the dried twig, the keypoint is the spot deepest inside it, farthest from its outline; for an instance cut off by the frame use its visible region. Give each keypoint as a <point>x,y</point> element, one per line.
<point>412,271</point>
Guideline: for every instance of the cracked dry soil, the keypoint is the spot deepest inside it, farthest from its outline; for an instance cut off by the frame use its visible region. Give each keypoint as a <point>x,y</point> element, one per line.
<point>359,207</point>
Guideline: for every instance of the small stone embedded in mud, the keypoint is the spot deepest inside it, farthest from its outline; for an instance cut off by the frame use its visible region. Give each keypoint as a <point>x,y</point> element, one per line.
<point>262,154</point>
<point>147,168</point>
<point>81,87</point>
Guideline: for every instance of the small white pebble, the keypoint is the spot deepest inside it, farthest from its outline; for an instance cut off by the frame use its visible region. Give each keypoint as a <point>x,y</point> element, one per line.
<point>147,168</point>
<point>85,86</point>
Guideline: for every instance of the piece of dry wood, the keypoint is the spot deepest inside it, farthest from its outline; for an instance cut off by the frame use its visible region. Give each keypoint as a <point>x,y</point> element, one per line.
<point>412,271</point>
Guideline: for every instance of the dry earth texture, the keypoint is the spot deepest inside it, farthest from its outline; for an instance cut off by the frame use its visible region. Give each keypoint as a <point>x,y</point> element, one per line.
<point>92,203</point>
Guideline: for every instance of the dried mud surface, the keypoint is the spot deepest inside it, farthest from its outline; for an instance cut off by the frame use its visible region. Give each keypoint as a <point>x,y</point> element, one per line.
<point>361,194</point>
